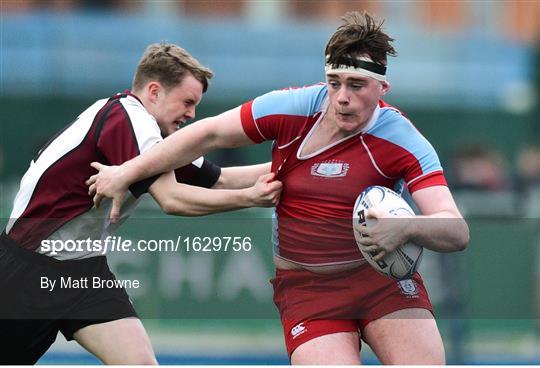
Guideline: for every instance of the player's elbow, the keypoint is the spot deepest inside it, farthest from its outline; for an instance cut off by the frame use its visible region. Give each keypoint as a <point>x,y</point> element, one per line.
<point>223,181</point>
<point>168,206</point>
<point>172,207</point>
<point>462,236</point>
<point>177,207</point>
<point>464,241</point>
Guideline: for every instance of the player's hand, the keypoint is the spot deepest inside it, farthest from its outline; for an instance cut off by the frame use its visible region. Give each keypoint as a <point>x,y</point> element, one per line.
<point>108,183</point>
<point>266,191</point>
<point>386,235</point>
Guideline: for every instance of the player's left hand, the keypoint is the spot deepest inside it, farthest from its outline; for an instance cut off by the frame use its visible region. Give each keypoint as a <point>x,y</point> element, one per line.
<point>386,235</point>
<point>266,191</point>
<point>107,183</point>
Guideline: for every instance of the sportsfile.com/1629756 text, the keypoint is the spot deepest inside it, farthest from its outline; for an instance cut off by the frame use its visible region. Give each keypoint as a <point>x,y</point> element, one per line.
<point>120,244</point>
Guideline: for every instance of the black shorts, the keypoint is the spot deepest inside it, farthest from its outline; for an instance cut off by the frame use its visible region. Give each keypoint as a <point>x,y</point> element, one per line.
<point>32,311</point>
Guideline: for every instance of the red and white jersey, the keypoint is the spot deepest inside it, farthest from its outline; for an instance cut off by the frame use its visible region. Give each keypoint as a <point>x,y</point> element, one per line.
<point>313,219</point>
<point>53,201</point>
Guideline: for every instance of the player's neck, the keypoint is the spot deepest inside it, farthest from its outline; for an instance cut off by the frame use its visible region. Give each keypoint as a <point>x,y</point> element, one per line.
<point>143,98</point>
<point>330,127</point>
<point>324,135</point>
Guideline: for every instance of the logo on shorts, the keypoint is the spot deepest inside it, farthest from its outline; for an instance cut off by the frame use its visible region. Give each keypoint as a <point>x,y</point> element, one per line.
<point>408,287</point>
<point>330,169</point>
<point>298,330</point>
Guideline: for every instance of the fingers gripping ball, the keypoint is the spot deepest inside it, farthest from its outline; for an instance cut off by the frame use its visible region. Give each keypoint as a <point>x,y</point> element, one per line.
<point>404,261</point>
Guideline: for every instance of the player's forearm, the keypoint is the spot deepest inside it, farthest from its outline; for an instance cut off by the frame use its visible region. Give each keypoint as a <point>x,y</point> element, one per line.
<point>241,176</point>
<point>441,232</point>
<point>196,201</point>
<point>187,144</point>
<point>177,150</point>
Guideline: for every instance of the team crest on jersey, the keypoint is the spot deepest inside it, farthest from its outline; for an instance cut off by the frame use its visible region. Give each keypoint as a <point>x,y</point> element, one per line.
<point>408,287</point>
<point>330,169</point>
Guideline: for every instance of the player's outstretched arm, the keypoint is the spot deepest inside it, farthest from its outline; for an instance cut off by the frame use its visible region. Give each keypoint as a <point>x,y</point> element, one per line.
<point>440,227</point>
<point>187,200</point>
<point>241,176</point>
<point>177,150</point>
<point>185,145</point>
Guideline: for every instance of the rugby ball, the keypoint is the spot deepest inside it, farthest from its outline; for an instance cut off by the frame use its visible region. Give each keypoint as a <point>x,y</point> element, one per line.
<point>403,262</point>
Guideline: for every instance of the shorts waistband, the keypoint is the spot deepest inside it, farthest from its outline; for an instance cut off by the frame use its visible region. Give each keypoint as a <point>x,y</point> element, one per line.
<point>316,275</point>
<point>33,257</point>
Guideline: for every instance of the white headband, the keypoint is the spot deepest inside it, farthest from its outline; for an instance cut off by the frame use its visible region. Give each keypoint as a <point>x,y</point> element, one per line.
<point>363,66</point>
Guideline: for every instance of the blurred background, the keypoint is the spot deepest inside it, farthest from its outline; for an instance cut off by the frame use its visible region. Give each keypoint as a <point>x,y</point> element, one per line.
<point>467,74</point>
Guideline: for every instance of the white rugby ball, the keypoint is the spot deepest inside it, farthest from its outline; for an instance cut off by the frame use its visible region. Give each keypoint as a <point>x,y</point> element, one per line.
<point>404,261</point>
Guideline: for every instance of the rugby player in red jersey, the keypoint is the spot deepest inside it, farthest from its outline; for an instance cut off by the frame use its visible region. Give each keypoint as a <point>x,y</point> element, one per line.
<point>331,141</point>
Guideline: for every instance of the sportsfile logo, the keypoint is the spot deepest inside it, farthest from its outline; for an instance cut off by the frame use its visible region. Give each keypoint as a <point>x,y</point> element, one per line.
<point>298,330</point>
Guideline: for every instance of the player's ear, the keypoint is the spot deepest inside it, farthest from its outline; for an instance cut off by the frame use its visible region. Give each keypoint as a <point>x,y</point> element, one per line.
<point>153,89</point>
<point>385,87</point>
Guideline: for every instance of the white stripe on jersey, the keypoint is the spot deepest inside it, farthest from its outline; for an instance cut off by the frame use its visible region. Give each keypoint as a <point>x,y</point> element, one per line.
<point>92,223</point>
<point>147,134</point>
<point>198,162</point>
<point>65,142</point>
<point>373,160</point>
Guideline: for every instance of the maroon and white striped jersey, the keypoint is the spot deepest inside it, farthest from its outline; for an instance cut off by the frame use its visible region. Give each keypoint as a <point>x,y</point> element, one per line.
<point>53,201</point>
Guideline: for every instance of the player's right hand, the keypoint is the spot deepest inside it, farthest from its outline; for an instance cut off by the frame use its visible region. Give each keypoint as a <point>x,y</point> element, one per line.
<point>266,191</point>
<point>108,183</point>
<point>389,233</point>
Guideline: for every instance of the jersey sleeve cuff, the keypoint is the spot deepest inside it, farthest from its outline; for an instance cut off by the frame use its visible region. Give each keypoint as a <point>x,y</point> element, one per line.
<point>205,176</point>
<point>249,124</point>
<point>427,180</point>
<point>141,187</point>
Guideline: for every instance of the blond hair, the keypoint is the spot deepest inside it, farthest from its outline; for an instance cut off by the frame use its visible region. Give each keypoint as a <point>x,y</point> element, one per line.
<point>168,64</point>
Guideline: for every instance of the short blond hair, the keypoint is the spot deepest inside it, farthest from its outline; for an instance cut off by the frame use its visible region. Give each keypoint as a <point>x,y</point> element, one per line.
<point>168,64</point>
